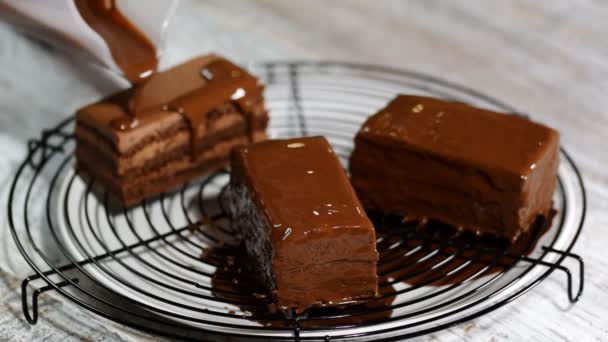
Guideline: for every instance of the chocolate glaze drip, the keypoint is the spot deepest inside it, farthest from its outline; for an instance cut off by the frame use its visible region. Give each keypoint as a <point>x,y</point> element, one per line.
<point>279,168</point>
<point>195,91</point>
<point>136,56</point>
<point>302,223</point>
<point>454,131</point>
<point>234,279</point>
<point>134,53</point>
<point>225,81</point>
<point>459,252</point>
<point>485,171</point>
<point>132,50</point>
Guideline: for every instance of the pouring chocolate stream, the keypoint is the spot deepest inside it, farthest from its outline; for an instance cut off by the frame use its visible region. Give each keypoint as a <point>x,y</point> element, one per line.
<point>193,91</point>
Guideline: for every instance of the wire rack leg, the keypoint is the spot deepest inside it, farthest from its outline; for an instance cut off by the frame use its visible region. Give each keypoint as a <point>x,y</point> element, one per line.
<point>33,317</point>
<point>581,272</point>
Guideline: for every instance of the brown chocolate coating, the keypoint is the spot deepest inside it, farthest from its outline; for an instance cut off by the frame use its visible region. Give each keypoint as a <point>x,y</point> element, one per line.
<point>302,223</point>
<point>131,49</point>
<point>136,56</point>
<point>216,82</point>
<point>190,90</point>
<point>477,169</point>
<point>225,81</point>
<point>187,127</point>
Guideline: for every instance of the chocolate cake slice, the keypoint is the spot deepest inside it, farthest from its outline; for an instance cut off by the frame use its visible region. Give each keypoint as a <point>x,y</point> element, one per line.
<point>188,119</point>
<point>473,168</point>
<point>302,223</point>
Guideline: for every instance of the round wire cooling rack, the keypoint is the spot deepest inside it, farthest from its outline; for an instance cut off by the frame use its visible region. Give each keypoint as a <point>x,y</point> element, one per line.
<point>164,265</point>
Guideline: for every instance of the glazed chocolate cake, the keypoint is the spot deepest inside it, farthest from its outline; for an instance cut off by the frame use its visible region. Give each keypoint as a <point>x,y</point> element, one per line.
<point>302,223</point>
<point>188,119</point>
<point>472,168</point>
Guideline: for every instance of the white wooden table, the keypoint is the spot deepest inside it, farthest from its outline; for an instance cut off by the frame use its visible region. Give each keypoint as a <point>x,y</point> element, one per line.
<point>549,58</point>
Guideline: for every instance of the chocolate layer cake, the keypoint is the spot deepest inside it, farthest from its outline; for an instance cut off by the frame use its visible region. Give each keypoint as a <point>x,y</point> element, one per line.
<point>188,119</point>
<point>302,223</point>
<point>473,168</point>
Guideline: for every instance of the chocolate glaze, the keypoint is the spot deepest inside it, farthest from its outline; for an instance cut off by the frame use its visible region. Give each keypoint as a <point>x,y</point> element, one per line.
<point>214,84</point>
<point>459,253</point>
<point>454,131</point>
<point>134,157</point>
<point>302,223</point>
<point>484,171</point>
<point>233,281</point>
<point>132,50</point>
<point>225,82</point>
<point>137,58</point>
<point>183,89</point>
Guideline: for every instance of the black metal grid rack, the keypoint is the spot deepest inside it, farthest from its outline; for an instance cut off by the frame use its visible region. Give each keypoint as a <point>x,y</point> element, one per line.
<point>104,270</point>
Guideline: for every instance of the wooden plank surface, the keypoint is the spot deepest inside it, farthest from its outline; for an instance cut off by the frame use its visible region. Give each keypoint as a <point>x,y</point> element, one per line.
<point>548,58</point>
